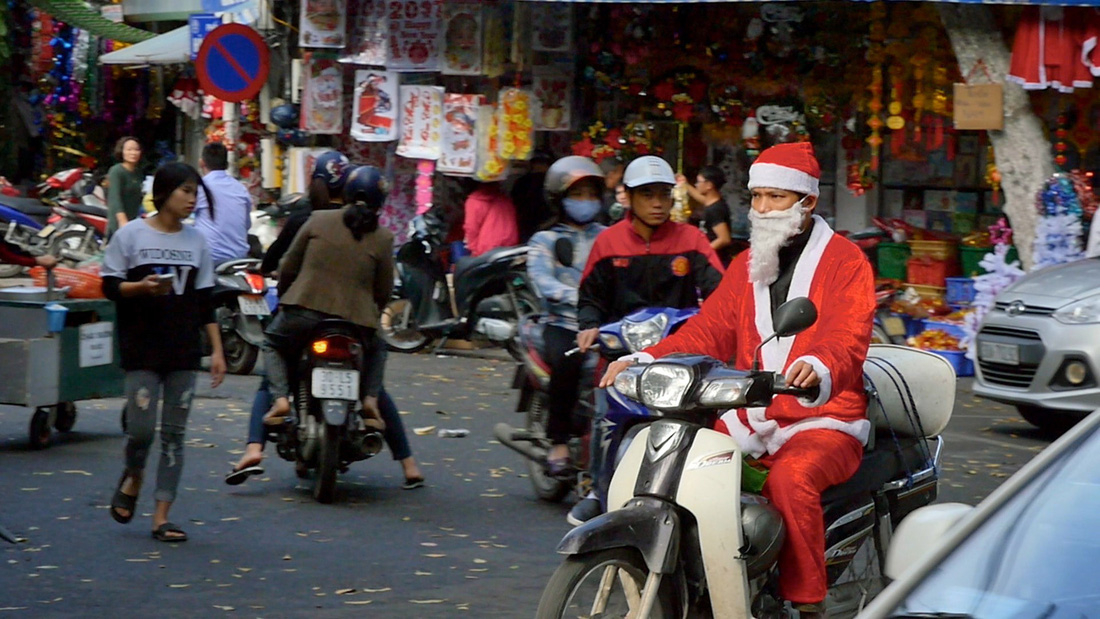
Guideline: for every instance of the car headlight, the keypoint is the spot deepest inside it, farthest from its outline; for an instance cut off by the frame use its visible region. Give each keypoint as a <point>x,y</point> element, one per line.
<point>664,386</point>
<point>1084,312</point>
<point>641,335</point>
<point>626,382</point>
<point>725,393</point>
<point>610,342</point>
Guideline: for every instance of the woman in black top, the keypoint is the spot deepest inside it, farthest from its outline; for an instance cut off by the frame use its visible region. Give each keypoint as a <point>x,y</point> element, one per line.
<point>714,220</point>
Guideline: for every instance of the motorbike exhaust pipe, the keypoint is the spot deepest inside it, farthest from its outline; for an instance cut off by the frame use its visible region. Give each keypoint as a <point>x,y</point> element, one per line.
<point>514,439</point>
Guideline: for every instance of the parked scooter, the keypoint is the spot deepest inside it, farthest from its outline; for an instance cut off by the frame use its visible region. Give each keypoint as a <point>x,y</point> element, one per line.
<point>639,330</point>
<point>491,294</point>
<point>81,229</point>
<point>23,224</point>
<point>671,547</point>
<point>241,311</point>
<point>324,430</point>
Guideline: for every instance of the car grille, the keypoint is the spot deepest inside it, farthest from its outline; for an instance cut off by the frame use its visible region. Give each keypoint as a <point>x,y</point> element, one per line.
<point>1018,376</point>
<point>1029,310</point>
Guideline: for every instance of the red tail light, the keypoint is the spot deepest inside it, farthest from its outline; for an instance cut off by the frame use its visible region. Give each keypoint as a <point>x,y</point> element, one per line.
<point>335,348</point>
<point>255,282</point>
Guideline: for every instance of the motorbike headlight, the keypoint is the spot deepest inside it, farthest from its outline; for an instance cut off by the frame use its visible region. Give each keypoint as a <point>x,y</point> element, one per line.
<point>725,393</point>
<point>610,342</point>
<point>626,382</point>
<point>1084,312</point>
<point>641,335</point>
<point>664,386</point>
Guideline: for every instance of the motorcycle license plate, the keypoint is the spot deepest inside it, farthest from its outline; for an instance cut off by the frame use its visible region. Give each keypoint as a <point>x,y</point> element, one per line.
<point>1008,354</point>
<point>328,384</point>
<point>253,305</point>
<point>893,325</point>
<point>45,232</point>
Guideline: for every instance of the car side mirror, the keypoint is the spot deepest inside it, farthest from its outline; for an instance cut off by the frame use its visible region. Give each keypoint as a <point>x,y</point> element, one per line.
<point>563,252</point>
<point>920,534</point>
<point>794,317</point>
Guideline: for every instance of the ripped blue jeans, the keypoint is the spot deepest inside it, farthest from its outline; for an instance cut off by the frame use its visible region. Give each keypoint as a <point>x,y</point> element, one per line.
<point>144,389</point>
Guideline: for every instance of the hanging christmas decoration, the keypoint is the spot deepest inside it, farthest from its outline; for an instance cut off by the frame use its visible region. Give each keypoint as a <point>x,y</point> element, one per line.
<point>517,138</point>
<point>999,274</point>
<point>1059,231</point>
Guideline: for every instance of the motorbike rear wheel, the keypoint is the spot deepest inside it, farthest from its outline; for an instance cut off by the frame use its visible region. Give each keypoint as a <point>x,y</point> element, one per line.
<point>328,464</point>
<point>10,270</point>
<point>240,355</point>
<point>398,329</point>
<point>605,583</point>
<point>71,246</point>
<point>547,488</point>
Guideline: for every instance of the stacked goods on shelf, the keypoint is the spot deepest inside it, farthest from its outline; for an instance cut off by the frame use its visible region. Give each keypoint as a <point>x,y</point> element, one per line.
<point>932,262</point>
<point>891,259</point>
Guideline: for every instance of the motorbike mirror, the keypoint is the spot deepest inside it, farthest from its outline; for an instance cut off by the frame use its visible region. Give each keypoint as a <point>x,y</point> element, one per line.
<point>563,251</point>
<point>794,317</point>
<point>791,318</point>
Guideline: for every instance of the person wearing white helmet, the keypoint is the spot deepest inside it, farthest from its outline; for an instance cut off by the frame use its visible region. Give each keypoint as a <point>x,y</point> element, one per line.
<point>645,260</point>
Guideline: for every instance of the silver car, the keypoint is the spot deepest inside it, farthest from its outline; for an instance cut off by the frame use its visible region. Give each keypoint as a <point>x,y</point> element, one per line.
<point>1039,348</point>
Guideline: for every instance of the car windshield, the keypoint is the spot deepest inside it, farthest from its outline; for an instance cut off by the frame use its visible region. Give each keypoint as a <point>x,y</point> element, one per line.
<point>1035,557</point>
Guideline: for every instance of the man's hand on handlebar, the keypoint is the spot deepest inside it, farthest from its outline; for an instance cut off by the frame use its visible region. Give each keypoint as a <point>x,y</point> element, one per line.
<point>802,375</point>
<point>613,370</point>
<point>586,338</point>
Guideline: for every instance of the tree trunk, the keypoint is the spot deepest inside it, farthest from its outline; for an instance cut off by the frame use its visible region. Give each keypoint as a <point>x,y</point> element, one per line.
<point>1022,151</point>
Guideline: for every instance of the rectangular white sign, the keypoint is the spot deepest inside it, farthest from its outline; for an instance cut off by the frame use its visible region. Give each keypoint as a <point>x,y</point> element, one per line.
<point>97,344</point>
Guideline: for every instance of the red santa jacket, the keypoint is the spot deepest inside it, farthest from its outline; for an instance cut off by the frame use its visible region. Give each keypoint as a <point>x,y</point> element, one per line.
<point>834,274</point>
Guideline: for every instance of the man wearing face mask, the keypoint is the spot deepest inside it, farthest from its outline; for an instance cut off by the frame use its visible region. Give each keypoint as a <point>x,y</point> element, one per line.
<point>572,189</point>
<point>807,446</point>
<point>645,260</point>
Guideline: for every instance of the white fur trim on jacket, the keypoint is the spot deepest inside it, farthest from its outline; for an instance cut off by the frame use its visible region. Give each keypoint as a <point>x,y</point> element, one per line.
<point>826,381</point>
<point>766,436</point>
<point>777,176</point>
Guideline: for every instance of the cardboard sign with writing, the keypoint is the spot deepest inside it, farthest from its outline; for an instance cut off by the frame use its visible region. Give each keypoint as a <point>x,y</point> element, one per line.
<point>979,107</point>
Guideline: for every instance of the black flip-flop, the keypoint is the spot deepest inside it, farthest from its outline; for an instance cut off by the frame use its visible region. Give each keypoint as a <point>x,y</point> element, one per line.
<point>121,500</point>
<point>239,476</point>
<point>412,483</point>
<point>161,533</point>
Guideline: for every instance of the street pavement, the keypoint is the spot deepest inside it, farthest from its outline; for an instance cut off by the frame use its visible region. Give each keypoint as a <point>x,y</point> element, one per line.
<point>474,542</point>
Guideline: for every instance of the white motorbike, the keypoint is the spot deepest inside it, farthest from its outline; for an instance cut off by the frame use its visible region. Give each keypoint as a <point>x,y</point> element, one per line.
<point>670,546</point>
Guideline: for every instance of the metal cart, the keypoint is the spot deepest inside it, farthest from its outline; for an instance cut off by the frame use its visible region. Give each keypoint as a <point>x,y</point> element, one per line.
<point>50,371</point>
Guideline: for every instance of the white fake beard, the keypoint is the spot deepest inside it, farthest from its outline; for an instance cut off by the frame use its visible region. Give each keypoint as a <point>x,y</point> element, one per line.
<point>768,234</point>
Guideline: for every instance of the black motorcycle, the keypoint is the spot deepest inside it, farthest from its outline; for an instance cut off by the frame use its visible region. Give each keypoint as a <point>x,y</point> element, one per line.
<point>241,311</point>
<point>325,431</point>
<point>491,294</point>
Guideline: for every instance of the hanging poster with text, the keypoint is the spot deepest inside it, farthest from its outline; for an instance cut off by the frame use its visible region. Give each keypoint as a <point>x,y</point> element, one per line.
<point>459,155</point>
<point>421,122</point>
<point>462,36</point>
<point>552,102</point>
<point>370,38</point>
<point>322,96</point>
<point>415,35</point>
<point>495,40</point>
<point>490,165</point>
<point>551,27</point>
<point>96,344</point>
<point>374,118</point>
<point>322,24</point>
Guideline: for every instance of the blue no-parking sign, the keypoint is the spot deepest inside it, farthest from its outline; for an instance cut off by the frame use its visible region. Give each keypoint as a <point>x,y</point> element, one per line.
<point>233,63</point>
<point>201,24</point>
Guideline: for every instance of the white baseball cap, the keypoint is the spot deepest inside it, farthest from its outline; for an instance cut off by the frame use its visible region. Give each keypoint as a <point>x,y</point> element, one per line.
<point>646,170</point>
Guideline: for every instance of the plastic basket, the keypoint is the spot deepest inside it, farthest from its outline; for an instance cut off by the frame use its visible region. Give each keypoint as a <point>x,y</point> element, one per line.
<point>81,284</point>
<point>891,260</point>
<point>928,271</point>
<point>957,358</point>
<point>947,327</point>
<point>940,250</point>
<point>960,290</point>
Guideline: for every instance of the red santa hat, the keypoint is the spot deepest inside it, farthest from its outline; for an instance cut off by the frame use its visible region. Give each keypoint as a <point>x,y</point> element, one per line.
<point>790,166</point>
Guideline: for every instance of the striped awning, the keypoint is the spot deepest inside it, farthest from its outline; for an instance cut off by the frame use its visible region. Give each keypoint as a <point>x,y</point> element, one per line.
<point>79,15</point>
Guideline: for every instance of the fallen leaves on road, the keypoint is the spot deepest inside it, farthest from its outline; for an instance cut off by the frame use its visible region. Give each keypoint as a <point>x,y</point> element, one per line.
<point>423,431</point>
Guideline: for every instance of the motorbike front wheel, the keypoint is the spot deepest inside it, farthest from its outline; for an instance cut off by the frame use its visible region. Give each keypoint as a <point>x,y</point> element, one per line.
<point>398,329</point>
<point>240,355</point>
<point>328,464</point>
<point>605,583</point>
<point>73,246</point>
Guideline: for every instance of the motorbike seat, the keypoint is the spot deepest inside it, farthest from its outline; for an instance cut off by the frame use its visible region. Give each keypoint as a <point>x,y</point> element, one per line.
<point>465,265</point>
<point>87,209</point>
<point>27,206</point>
<point>883,463</point>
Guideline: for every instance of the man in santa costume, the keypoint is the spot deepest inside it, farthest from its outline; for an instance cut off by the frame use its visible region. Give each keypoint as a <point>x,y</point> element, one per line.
<point>807,446</point>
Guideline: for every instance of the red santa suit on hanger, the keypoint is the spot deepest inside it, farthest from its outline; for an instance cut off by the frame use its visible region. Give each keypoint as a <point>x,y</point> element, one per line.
<point>808,446</point>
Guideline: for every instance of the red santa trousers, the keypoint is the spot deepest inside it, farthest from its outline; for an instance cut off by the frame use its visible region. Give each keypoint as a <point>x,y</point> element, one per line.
<point>799,472</point>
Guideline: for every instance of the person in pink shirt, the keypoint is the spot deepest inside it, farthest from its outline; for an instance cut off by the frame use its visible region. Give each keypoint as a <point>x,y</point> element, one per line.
<point>490,220</point>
